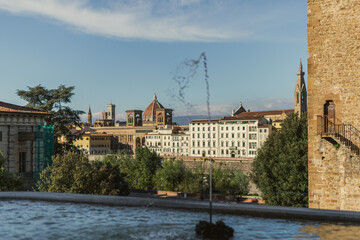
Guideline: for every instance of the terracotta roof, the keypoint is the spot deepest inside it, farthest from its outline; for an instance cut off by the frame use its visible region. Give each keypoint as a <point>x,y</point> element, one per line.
<point>204,120</point>
<point>12,108</point>
<point>150,110</point>
<point>250,117</point>
<point>264,113</point>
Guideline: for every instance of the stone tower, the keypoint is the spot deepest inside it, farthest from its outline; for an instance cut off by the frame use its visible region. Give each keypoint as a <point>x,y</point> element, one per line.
<point>334,109</point>
<point>110,112</point>
<point>300,95</point>
<point>89,117</point>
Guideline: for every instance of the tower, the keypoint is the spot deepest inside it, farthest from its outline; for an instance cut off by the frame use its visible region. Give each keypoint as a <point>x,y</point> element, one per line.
<point>333,109</point>
<point>89,117</point>
<point>111,112</point>
<point>300,94</point>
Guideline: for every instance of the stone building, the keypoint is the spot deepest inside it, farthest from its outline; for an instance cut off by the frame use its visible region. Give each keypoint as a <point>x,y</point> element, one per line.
<point>236,137</point>
<point>333,104</point>
<point>26,144</point>
<point>138,124</point>
<point>108,117</point>
<point>169,141</point>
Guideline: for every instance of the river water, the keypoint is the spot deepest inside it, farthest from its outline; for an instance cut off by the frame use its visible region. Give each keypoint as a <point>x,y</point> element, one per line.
<point>45,220</point>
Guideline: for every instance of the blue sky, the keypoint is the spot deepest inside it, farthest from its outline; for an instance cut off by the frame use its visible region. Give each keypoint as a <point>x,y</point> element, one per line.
<point>121,51</point>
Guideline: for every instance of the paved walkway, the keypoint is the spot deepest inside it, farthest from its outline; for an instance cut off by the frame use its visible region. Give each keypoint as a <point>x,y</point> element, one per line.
<point>228,208</point>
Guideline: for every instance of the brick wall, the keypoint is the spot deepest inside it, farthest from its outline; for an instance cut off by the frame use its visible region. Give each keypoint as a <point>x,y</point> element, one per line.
<point>333,74</point>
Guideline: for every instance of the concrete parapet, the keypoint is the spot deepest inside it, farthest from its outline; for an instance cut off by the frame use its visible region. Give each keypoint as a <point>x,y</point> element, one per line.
<point>228,208</point>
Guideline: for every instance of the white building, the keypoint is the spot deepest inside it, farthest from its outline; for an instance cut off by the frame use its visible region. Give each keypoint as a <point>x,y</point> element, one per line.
<point>228,136</point>
<point>169,141</point>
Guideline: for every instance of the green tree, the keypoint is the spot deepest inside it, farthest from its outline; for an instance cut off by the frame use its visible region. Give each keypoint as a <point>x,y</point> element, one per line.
<point>170,176</point>
<point>73,173</point>
<point>230,181</point>
<point>280,170</point>
<point>8,181</point>
<point>54,101</point>
<point>144,168</point>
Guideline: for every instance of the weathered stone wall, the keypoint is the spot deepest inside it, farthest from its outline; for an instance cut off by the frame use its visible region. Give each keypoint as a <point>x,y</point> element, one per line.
<point>333,74</point>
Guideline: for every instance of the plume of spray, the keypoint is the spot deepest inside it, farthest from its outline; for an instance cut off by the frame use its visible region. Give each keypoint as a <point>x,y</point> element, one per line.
<point>182,81</point>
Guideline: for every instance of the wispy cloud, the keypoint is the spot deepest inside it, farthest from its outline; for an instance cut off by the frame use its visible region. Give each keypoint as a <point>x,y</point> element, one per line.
<point>172,20</point>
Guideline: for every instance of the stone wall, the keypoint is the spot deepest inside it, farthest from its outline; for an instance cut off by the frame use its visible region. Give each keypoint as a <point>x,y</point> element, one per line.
<point>243,164</point>
<point>333,74</point>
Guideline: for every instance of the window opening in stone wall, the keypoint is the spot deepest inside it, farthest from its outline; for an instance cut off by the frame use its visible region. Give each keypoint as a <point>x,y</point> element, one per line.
<point>22,162</point>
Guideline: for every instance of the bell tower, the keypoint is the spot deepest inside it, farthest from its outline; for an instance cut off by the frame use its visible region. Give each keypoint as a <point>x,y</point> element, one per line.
<point>300,94</point>
<point>89,117</point>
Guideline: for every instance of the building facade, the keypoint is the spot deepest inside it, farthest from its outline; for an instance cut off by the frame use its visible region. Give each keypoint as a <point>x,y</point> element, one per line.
<point>170,141</point>
<point>138,124</point>
<point>236,137</point>
<point>26,144</point>
<point>333,104</point>
<point>94,143</point>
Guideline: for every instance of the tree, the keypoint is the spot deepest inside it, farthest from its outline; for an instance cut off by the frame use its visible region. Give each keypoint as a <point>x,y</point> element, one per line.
<point>62,116</point>
<point>145,166</point>
<point>8,181</point>
<point>280,170</point>
<point>230,181</point>
<point>170,176</point>
<point>73,173</point>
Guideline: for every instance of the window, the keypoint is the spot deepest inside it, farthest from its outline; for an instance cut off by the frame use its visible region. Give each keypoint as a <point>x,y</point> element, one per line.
<point>213,128</point>
<point>222,144</point>
<point>222,128</point>
<point>243,135</point>
<point>0,136</point>
<point>227,144</point>
<point>244,144</point>
<point>227,128</point>
<point>22,162</point>
<point>232,128</point>
<point>244,128</point>
<point>232,135</point>
<point>213,135</point>
<point>252,136</point>
<point>265,130</point>
<point>214,144</point>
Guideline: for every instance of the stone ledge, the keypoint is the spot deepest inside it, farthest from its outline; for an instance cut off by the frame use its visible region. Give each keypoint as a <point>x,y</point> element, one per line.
<point>228,208</point>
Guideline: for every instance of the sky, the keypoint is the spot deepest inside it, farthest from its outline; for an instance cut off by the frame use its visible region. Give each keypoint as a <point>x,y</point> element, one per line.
<point>122,51</point>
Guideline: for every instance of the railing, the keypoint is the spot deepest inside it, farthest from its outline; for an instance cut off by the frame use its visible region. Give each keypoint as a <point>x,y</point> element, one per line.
<point>345,133</point>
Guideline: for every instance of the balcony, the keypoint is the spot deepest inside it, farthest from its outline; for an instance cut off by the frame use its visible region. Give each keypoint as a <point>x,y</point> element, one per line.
<point>336,131</point>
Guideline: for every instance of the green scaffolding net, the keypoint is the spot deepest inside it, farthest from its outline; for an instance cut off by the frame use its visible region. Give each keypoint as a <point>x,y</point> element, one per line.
<point>44,149</point>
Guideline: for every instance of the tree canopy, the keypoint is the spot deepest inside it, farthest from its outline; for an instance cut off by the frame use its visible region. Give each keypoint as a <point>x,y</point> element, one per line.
<point>280,169</point>
<point>73,173</point>
<point>54,101</point>
<point>8,181</point>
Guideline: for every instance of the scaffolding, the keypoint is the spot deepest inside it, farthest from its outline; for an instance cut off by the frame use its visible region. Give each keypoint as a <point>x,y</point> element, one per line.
<point>44,149</point>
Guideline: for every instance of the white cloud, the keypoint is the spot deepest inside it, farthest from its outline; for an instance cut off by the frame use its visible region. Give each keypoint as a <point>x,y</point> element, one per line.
<point>137,19</point>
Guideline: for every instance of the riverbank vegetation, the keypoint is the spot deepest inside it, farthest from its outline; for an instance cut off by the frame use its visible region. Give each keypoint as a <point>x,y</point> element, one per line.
<point>280,170</point>
<point>115,174</point>
<point>8,181</point>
